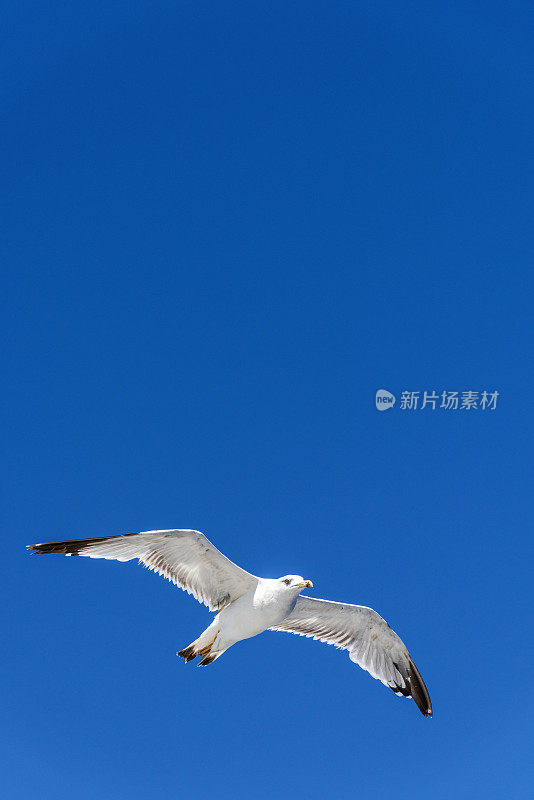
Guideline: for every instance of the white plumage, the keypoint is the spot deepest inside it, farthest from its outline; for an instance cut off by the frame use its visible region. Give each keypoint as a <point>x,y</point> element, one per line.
<point>248,605</point>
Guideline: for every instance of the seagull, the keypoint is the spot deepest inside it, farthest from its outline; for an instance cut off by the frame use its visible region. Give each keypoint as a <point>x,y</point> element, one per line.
<point>248,605</point>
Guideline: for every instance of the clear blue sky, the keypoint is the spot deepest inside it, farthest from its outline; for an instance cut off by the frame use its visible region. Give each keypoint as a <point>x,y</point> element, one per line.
<point>225,226</point>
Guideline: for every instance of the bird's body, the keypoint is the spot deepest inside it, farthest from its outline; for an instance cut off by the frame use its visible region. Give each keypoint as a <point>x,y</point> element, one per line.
<point>248,605</point>
<point>263,607</point>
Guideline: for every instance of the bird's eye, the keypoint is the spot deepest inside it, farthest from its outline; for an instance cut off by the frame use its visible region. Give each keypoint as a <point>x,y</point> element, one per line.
<point>287,581</point>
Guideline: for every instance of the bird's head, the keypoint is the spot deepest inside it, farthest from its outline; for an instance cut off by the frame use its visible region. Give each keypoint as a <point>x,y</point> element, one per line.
<point>295,582</point>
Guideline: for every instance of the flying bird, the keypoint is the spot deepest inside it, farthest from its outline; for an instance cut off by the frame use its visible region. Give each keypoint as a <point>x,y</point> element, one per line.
<point>248,605</point>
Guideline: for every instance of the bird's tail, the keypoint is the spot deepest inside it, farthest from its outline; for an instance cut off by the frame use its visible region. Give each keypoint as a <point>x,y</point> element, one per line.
<point>205,646</point>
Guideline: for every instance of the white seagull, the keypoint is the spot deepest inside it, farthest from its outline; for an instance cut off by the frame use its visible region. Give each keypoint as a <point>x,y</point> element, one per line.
<point>248,605</point>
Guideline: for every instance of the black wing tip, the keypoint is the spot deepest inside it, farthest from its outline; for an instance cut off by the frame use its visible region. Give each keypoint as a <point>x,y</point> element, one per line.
<point>46,548</point>
<point>70,547</point>
<point>414,687</point>
<point>419,691</point>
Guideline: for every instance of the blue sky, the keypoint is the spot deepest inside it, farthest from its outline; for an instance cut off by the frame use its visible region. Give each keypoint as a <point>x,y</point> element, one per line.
<point>226,225</point>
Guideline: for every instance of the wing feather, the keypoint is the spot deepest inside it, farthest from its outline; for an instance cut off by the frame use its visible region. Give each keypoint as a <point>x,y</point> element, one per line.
<point>185,557</point>
<point>371,643</point>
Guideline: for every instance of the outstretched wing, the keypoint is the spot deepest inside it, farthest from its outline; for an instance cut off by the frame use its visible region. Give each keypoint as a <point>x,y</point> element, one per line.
<point>187,558</point>
<point>371,643</point>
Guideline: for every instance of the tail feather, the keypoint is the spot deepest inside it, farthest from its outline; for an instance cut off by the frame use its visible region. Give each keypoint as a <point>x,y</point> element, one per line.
<point>205,647</point>
<point>206,653</point>
<point>205,660</point>
<point>189,653</point>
